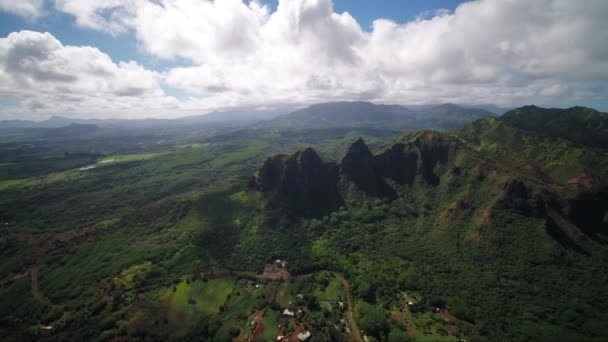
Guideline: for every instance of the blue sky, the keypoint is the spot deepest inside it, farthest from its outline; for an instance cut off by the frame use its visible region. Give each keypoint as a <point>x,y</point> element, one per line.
<point>197,56</point>
<point>124,47</point>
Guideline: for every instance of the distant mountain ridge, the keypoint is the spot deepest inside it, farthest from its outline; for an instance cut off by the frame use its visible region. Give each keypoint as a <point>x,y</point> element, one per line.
<point>585,126</point>
<point>212,119</point>
<point>442,117</point>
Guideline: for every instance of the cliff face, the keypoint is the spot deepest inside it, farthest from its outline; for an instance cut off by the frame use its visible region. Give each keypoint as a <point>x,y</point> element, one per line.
<point>520,198</point>
<point>304,173</point>
<point>359,167</point>
<point>397,164</point>
<point>313,188</point>
<point>300,180</point>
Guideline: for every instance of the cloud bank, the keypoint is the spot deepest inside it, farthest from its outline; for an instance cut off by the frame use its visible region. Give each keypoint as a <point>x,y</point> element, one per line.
<point>507,52</point>
<point>29,9</point>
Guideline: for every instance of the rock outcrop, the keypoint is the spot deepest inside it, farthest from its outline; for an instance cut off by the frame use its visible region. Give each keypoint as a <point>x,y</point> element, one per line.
<point>520,198</point>
<point>300,179</point>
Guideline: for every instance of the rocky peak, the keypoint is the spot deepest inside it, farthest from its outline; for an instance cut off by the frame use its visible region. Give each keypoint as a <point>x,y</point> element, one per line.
<point>518,197</point>
<point>358,161</point>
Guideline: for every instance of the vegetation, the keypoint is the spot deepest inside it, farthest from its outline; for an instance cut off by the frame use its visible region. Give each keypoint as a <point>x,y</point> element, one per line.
<point>489,232</point>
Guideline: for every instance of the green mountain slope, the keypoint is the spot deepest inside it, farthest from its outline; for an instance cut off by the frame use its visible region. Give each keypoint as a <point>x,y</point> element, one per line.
<point>490,232</point>
<point>547,159</point>
<point>581,125</point>
<point>501,249</point>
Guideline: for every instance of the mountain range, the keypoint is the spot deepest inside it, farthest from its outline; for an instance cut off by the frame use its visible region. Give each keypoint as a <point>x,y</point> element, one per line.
<point>477,227</point>
<point>508,216</point>
<point>444,116</point>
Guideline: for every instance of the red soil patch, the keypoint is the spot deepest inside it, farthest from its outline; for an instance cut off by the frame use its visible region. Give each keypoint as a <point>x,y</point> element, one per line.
<point>446,315</point>
<point>180,315</point>
<point>454,211</point>
<point>450,329</point>
<point>88,230</point>
<point>583,180</point>
<point>34,274</point>
<point>139,324</point>
<point>171,242</point>
<point>279,274</point>
<point>293,336</point>
<point>475,237</point>
<point>411,331</point>
<point>399,318</point>
<point>259,325</point>
<point>132,312</point>
<point>486,217</point>
<point>82,240</point>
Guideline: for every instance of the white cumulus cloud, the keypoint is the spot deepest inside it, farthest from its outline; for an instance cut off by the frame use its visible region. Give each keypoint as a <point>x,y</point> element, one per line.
<point>241,53</point>
<point>29,9</point>
<point>47,75</point>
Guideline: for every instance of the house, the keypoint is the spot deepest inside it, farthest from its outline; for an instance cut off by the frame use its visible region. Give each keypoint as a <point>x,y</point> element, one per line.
<point>284,263</point>
<point>47,327</point>
<point>343,321</point>
<point>300,296</point>
<point>410,303</point>
<point>341,305</point>
<point>303,336</point>
<point>288,313</point>
<point>278,261</point>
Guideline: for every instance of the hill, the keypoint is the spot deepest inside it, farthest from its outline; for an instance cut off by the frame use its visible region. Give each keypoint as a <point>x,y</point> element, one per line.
<point>492,243</point>
<point>488,232</point>
<point>581,125</point>
<point>441,117</point>
<point>213,119</point>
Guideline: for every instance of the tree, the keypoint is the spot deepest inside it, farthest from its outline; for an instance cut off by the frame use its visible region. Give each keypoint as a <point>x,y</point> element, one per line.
<point>373,321</point>
<point>397,335</point>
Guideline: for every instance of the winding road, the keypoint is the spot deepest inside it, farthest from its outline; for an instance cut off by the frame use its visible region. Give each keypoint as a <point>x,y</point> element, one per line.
<point>354,329</point>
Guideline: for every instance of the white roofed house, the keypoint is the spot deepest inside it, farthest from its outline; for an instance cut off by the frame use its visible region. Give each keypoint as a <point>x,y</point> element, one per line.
<point>303,336</point>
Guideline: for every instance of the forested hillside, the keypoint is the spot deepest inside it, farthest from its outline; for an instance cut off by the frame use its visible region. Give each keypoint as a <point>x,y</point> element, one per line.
<point>493,231</point>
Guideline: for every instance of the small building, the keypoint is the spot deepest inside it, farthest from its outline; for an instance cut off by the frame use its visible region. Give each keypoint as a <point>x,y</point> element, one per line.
<point>303,336</point>
<point>300,296</point>
<point>288,313</point>
<point>410,303</point>
<point>343,321</point>
<point>341,305</point>
<point>278,261</point>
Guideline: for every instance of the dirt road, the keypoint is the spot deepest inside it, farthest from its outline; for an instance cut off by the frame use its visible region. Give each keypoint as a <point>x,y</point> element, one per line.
<point>354,329</point>
<point>34,275</point>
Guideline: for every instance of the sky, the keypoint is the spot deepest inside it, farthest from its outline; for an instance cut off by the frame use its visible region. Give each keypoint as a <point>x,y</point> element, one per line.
<point>172,58</point>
